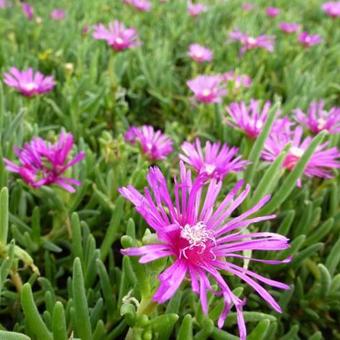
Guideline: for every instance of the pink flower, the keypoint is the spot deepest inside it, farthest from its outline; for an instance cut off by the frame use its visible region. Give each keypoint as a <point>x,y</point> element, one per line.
<point>154,144</point>
<point>140,5</point>
<point>58,14</point>
<point>242,80</point>
<point>3,4</point>
<point>42,163</point>
<point>247,6</point>
<point>250,119</point>
<point>199,53</point>
<point>308,40</point>
<point>203,238</point>
<point>332,8</point>
<point>117,35</point>
<point>196,9</point>
<point>28,82</point>
<point>215,161</point>
<point>207,89</point>
<point>289,27</point>
<point>322,161</point>
<point>318,119</point>
<point>272,11</point>
<point>27,10</point>
<point>262,41</point>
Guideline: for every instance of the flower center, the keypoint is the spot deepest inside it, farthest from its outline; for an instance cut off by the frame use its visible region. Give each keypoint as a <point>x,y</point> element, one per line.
<point>293,157</point>
<point>199,54</point>
<point>30,86</point>
<point>197,235</point>
<point>206,93</point>
<point>209,168</point>
<point>321,123</point>
<point>297,152</point>
<point>251,41</point>
<point>119,40</point>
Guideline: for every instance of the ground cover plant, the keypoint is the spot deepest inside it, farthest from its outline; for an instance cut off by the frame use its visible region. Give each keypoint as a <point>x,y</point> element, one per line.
<point>169,170</point>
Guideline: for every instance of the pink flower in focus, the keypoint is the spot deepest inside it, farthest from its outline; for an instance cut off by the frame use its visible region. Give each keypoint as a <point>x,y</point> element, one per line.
<point>318,119</point>
<point>203,238</point>
<point>272,11</point>
<point>117,35</point>
<point>289,27</point>
<point>247,7</point>
<point>262,41</point>
<point>28,82</point>
<point>332,8</point>
<point>207,89</point>
<point>58,14</point>
<point>196,9</point>
<point>140,5</point>
<point>154,144</point>
<point>250,119</point>
<point>308,40</point>
<point>27,10</point>
<point>215,161</point>
<point>239,81</point>
<point>322,162</point>
<point>42,163</point>
<point>199,53</point>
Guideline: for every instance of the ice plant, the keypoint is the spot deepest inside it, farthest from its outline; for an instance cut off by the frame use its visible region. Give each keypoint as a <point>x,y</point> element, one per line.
<point>28,82</point>
<point>289,27</point>
<point>308,40</point>
<point>318,119</point>
<point>241,80</point>
<point>332,8</point>
<point>117,35</point>
<point>248,43</point>
<point>28,11</point>
<point>272,11</point>
<point>203,239</point>
<point>216,160</point>
<point>195,10</point>
<point>250,119</point>
<point>207,89</point>
<point>322,162</point>
<point>3,4</point>
<point>199,53</point>
<point>154,144</point>
<point>140,5</point>
<point>58,14</point>
<point>42,163</point>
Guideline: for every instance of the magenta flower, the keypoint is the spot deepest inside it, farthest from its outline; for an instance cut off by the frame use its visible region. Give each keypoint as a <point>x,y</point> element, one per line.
<point>199,53</point>
<point>248,43</point>
<point>272,11</point>
<point>318,119</point>
<point>117,35</point>
<point>196,9</point>
<point>239,81</point>
<point>308,40</point>
<point>215,161</point>
<point>140,5</point>
<point>332,8</point>
<point>289,27</point>
<point>154,144</point>
<point>199,235</point>
<point>250,119</point>
<point>3,4</point>
<point>27,10</point>
<point>42,163</point>
<point>247,6</point>
<point>207,89</point>
<point>28,82</point>
<point>58,14</point>
<point>322,162</point>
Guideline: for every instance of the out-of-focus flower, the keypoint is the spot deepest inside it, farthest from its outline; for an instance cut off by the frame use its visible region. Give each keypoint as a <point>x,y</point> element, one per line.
<point>3,4</point>
<point>203,238</point>
<point>207,89</point>
<point>241,80</point>
<point>28,82</point>
<point>308,40</point>
<point>247,6</point>
<point>196,9</point>
<point>247,43</point>
<point>27,10</point>
<point>154,144</point>
<point>289,27</point>
<point>332,8</point>
<point>58,14</point>
<point>42,163</point>
<point>318,119</point>
<point>199,53</point>
<point>215,161</point>
<point>117,35</point>
<point>272,11</point>
<point>140,5</point>
<point>322,162</point>
<point>249,119</point>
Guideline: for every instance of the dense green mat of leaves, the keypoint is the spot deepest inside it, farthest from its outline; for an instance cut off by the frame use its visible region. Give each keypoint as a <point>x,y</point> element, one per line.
<point>61,271</point>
